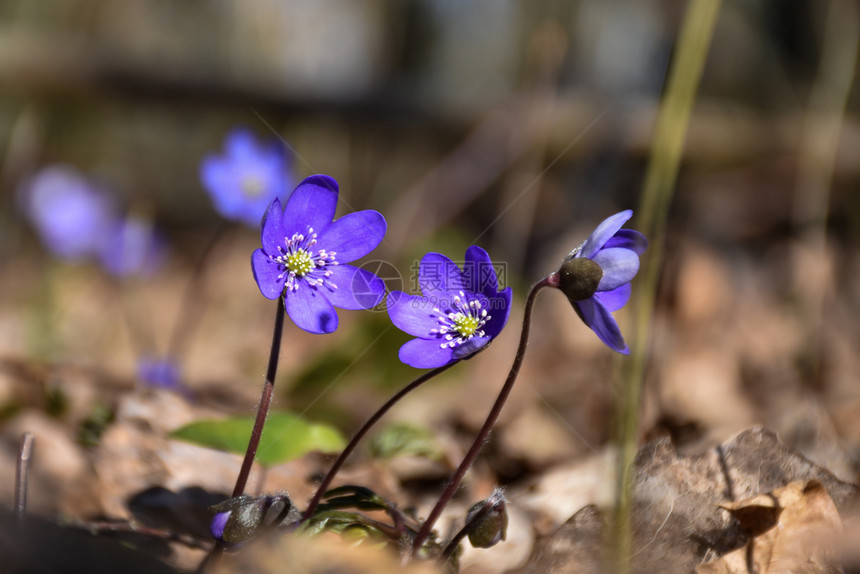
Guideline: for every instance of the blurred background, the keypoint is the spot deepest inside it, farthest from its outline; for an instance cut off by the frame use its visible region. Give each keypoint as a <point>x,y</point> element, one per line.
<point>514,125</point>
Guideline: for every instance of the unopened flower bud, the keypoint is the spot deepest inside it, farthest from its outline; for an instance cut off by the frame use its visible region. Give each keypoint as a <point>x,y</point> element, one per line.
<point>488,521</point>
<point>243,517</point>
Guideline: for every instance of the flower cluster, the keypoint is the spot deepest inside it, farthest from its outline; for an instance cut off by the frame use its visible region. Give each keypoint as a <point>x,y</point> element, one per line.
<point>78,220</point>
<point>305,256</point>
<point>305,262</point>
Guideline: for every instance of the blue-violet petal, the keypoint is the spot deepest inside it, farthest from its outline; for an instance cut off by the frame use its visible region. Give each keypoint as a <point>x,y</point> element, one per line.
<point>412,314</point>
<point>354,235</point>
<point>619,266</point>
<point>310,310</point>
<point>270,276</point>
<point>355,288</point>
<point>603,324</point>
<point>425,354</point>
<point>607,228</point>
<point>616,298</point>
<point>311,205</point>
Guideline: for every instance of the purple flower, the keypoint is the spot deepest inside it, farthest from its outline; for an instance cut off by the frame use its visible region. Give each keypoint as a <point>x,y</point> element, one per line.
<point>157,372</point>
<point>596,276</point>
<point>245,180</point>
<point>219,521</point>
<point>72,216</point>
<point>304,255</point>
<point>132,248</point>
<point>460,313</point>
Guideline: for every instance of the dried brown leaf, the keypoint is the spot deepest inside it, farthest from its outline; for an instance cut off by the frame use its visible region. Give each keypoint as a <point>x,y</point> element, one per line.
<point>804,526</point>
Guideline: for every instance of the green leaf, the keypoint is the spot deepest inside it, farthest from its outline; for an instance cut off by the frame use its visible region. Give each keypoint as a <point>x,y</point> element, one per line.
<point>404,439</point>
<point>285,437</point>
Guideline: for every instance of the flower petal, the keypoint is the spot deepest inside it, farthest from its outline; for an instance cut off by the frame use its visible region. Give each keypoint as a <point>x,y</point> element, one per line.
<point>425,354</point>
<point>438,276</point>
<point>470,347</point>
<point>268,275</point>
<point>599,320</point>
<point>218,176</point>
<point>355,288</point>
<point>312,204</point>
<point>241,144</point>
<point>619,266</point>
<point>310,310</point>
<point>628,239</point>
<point>607,228</point>
<point>353,235</point>
<point>219,521</point>
<point>272,234</point>
<point>499,311</point>
<point>615,299</point>
<point>479,273</point>
<point>412,314</point>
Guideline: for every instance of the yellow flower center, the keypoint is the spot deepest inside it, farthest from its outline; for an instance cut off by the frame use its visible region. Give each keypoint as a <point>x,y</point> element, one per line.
<point>299,262</point>
<point>466,320</point>
<point>466,325</point>
<point>253,186</point>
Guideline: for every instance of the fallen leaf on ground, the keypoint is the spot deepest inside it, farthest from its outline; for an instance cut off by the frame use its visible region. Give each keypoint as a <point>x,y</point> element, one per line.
<point>795,529</point>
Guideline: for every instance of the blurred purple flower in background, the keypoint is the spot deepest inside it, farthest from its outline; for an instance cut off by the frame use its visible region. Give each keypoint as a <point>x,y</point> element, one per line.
<point>596,276</point>
<point>247,177</point>
<point>157,372</point>
<point>461,311</point>
<point>304,254</point>
<point>72,216</point>
<point>132,247</point>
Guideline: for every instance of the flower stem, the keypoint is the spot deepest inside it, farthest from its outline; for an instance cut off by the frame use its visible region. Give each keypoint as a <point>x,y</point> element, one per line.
<point>484,433</point>
<point>211,560</point>
<point>452,545</point>
<point>193,301</point>
<point>688,60</point>
<point>265,402</point>
<point>356,438</point>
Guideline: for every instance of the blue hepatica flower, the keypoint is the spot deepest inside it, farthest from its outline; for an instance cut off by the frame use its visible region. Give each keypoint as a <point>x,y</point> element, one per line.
<point>596,276</point>
<point>245,180</point>
<point>461,311</point>
<point>71,215</point>
<point>160,372</point>
<point>304,256</point>
<point>132,247</point>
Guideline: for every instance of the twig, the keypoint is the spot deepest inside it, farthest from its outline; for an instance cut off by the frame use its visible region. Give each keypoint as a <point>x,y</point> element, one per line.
<point>22,471</point>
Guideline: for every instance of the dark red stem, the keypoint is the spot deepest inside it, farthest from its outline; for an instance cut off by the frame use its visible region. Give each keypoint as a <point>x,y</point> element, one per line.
<point>265,402</point>
<point>356,438</point>
<point>481,438</point>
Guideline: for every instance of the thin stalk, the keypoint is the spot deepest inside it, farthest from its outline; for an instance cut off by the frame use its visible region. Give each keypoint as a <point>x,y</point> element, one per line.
<point>484,433</point>
<point>819,144</point>
<point>470,525</point>
<point>451,547</point>
<point>356,438</point>
<point>192,301</point>
<point>265,402</point>
<point>673,117</point>
<point>22,472</point>
<point>211,559</point>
